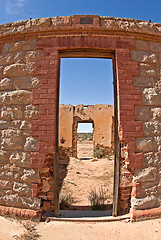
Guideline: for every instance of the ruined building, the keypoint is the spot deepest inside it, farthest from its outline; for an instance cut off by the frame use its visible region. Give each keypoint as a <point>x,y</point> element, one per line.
<point>100,115</point>
<point>30,55</point>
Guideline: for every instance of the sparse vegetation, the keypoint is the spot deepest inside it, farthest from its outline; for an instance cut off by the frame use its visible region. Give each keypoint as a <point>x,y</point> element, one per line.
<point>30,234</point>
<point>66,200</point>
<point>99,152</point>
<point>84,136</point>
<point>97,199</point>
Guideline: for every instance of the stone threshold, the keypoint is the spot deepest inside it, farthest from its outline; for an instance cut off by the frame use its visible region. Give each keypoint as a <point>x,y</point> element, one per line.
<point>85,216</point>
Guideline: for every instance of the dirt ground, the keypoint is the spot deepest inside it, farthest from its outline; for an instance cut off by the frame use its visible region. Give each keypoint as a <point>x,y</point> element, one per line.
<point>150,230</point>
<point>86,174</point>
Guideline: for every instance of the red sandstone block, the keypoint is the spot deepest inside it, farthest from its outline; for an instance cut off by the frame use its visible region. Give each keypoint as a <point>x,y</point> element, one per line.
<point>47,106</point>
<point>135,134</point>
<point>45,138</point>
<point>6,210</point>
<point>135,165</point>
<point>125,86</point>
<point>42,144</point>
<point>35,164</point>
<point>10,210</point>
<point>139,129</point>
<point>32,214</point>
<point>45,122</point>
<point>44,41</point>
<point>2,209</point>
<point>129,81</point>
<point>23,211</point>
<point>75,41</point>
<point>126,118</point>
<point>51,84</point>
<point>68,41</point>
<point>14,212</point>
<point>35,133</point>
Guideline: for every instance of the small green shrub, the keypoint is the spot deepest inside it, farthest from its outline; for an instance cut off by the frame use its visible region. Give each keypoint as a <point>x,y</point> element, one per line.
<point>66,201</point>
<point>84,136</point>
<point>99,152</point>
<point>97,199</point>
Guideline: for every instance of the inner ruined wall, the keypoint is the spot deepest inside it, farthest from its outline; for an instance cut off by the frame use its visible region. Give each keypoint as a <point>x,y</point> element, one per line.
<point>100,114</point>
<point>29,63</point>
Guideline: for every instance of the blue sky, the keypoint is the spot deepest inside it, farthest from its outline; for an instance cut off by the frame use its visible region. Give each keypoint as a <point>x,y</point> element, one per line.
<point>94,74</point>
<point>86,81</point>
<point>14,10</point>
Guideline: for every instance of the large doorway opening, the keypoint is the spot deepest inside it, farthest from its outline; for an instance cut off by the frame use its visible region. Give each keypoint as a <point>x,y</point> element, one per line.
<point>88,180</point>
<point>85,141</point>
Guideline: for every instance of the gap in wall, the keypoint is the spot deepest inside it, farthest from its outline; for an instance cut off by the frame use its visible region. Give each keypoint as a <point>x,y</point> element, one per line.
<point>84,83</point>
<point>85,141</point>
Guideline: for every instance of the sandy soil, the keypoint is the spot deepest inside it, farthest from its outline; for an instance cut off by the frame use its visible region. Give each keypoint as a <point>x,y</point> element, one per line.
<point>149,230</point>
<point>86,174</point>
<point>9,228</point>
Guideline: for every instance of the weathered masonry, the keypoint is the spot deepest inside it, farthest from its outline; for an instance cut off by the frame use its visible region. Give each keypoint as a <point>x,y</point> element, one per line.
<point>100,115</point>
<point>30,55</point>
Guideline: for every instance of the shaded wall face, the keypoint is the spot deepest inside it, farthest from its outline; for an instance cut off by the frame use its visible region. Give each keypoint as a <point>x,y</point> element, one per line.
<point>29,61</point>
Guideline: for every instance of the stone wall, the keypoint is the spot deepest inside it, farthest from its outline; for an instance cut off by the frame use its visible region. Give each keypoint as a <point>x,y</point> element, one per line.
<point>17,81</point>
<point>148,179</point>
<point>101,115</point>
<point>30,53</point>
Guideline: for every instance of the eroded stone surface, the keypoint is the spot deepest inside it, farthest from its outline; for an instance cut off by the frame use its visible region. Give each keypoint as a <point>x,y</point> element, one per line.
<point>16,97</point>
<point>16,69</point>
<point>144,203</point>
<point>145,175</point>
<point>11,113</point>
<point>151,96</point>
<point>12,140</point>
<point>29,176</point>
<point>31,112</point>
<point>5,84</point>
<point>20,159</point>
<point>144,144</point>
<point>31,144</point>
<point>25,82</point>
<point>21,188</point>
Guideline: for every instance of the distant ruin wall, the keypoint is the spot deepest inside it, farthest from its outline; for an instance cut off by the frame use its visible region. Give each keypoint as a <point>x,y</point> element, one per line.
<point>30,53</point>
<point>101,115</point>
